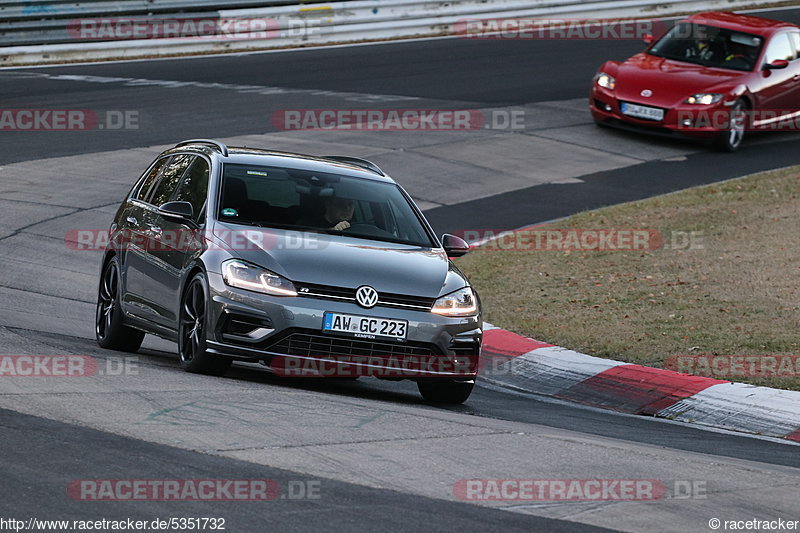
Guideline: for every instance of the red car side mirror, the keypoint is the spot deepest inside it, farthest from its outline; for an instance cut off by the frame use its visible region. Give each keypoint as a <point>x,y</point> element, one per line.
<point>777,64</point>
<point>648,39</point>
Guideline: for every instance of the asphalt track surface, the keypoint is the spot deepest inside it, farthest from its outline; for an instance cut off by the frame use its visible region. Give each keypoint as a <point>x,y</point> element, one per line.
<point>42,456</point>
<point>64,456</point>
<point>442,73</point>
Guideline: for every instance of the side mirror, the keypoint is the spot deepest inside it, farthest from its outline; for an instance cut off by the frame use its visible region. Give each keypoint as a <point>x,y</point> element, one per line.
<point>778,64</point>
<point>454,246</point>
<point>648,39</point>
<point>177,210</point>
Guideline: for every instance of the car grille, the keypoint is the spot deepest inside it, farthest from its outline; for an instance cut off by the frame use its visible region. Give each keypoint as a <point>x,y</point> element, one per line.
<point>385,299</point>
<point>316,345</point>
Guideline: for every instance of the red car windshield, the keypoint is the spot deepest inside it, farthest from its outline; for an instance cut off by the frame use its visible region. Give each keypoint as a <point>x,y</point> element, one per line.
<point>709,46</point>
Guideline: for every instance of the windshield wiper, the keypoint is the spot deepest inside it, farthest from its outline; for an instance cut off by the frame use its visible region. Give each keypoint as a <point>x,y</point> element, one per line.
<point>681,59</point>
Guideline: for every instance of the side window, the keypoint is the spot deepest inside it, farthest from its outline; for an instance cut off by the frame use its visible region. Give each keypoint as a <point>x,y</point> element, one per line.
<point>170,178</point>
<point>780,48</point>
<point>146,184</point>
<point>796,39</point>
<point>194,187</point>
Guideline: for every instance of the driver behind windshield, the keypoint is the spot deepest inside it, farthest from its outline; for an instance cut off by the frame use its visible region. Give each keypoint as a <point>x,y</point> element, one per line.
<point>739,56</point>
<point>705,50</point>
<point>336,214</point>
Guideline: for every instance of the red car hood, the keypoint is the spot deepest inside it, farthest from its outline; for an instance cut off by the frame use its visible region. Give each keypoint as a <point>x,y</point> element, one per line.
<point>671,82</point>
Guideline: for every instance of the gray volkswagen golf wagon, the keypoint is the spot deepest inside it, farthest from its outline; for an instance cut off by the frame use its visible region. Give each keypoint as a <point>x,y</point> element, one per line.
<point>313,266</point>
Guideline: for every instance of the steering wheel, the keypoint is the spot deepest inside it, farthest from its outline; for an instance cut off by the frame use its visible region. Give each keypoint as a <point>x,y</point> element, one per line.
<point>368,230</point>
<point>739,60</point>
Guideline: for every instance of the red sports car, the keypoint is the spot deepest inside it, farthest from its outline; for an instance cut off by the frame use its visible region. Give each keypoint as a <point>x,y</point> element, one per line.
<point>713,76</point>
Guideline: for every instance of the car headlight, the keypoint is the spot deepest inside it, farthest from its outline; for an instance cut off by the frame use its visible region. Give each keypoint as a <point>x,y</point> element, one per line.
<point>605,81</point>
<point>459,303</point>
<point>704,99</point>
<point>243,275</point>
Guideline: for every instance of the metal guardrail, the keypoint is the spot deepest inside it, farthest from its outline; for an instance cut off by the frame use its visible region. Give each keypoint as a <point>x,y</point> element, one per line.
<point>46,21</point>
<point>38,31</point>
<point>13,10</point>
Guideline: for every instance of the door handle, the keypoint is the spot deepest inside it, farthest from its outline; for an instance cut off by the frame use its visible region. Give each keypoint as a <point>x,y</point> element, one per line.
<point>132,220</point>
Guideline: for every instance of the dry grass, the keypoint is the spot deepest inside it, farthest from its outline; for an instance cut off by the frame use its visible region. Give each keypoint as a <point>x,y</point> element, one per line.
<point>735,294</point>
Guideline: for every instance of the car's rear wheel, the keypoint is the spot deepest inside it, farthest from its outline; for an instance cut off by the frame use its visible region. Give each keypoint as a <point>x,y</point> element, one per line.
<point>445,391</point>
<point>731,139</point>
<point>192,331</point>
<point>110,331</point>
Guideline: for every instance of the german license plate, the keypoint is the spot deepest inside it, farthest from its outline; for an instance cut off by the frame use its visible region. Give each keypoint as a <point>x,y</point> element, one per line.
<point>365,327</point>
<point>642,111</point>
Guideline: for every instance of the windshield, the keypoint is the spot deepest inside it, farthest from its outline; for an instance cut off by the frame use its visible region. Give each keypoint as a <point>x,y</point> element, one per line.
<point>709,46</point>
<point>320,202</point>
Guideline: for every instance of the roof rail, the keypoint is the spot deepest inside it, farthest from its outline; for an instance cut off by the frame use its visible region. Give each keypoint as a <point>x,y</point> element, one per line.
<point>221,146</point>
<point>363,163</point>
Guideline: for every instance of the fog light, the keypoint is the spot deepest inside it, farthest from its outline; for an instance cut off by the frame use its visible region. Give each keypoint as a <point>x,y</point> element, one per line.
<point>687,123</point>
<point>238,327</point>
<point>608,108</point>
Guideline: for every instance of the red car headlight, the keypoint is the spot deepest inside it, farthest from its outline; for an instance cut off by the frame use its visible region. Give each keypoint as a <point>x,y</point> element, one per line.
<point>704,99</point>
<point>605,81</point>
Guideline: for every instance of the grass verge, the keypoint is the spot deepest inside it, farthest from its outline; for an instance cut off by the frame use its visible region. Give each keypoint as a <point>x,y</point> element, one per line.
<point>731,288</point>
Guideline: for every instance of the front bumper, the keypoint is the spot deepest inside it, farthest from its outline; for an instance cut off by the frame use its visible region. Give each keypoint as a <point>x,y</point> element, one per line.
<point>286,334</point>
<point>694,122</point>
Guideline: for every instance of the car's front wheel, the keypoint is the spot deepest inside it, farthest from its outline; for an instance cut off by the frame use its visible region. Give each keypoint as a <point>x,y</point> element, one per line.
<point>730,139</point>
<point>445,391</point>
<point>192,331</point>
<point>109,329</point>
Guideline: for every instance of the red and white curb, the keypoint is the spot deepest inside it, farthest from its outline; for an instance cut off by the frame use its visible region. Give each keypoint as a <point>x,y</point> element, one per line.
<point>517,362</point>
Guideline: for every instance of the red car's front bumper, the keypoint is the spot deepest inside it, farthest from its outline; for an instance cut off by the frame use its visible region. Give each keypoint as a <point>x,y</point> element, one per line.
<point>696,122</point>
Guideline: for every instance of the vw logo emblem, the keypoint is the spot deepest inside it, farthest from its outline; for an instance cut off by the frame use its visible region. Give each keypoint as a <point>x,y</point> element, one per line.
<point>647,93</point>
<point>366,296</point>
